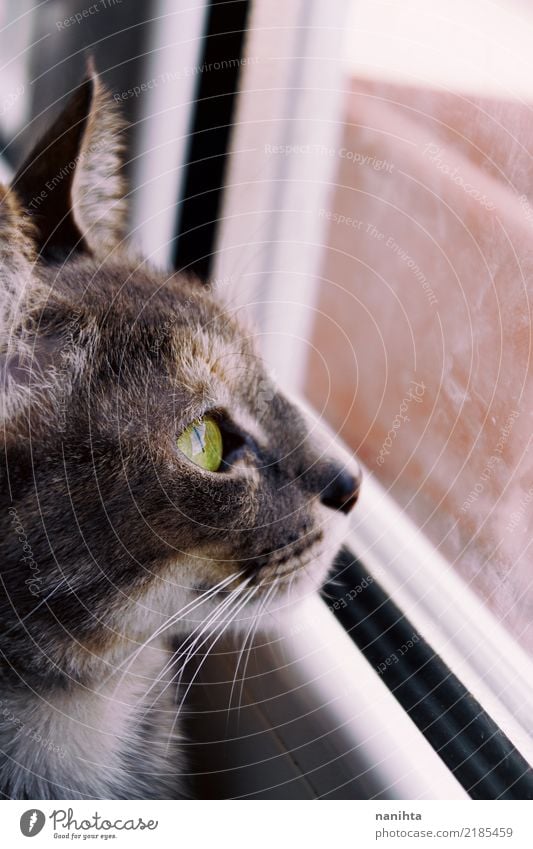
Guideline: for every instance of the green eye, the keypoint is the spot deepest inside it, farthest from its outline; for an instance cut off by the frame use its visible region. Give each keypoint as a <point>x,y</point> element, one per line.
<point>201,442</point>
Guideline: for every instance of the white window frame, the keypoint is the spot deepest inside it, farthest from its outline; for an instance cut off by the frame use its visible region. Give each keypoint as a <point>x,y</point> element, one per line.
<point>161,139</point>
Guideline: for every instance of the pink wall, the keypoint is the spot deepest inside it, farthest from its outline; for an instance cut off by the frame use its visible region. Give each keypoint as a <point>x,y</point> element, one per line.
<point>424,338</point>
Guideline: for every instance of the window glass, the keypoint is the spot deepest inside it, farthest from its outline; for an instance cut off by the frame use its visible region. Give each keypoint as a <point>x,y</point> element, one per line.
<point>423,337</point>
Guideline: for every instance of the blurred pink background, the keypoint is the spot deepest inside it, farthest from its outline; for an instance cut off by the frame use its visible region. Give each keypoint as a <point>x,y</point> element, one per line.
<point>425,313</point>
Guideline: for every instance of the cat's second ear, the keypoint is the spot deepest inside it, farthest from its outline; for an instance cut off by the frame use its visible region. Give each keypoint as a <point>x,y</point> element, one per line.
<point>71,184</point>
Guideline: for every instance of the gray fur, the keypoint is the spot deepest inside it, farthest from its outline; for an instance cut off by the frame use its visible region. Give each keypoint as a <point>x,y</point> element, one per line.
<point>108,531</point>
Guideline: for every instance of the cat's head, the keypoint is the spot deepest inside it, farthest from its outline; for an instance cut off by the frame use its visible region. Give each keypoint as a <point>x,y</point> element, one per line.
<point>150,465</point>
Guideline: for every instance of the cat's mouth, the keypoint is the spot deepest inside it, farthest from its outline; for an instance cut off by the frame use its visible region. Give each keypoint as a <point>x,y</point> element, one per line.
<point>268,565</point>
<point>271,566</point>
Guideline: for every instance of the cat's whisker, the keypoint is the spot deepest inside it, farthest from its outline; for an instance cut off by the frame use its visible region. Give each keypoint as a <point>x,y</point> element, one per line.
<point>191,642</point>
<point>206,632</point>
<point>255,625</point>
<point>241,652</point>
<point>172,620</point>
<point>204,627</point>
<point>290,588</point>
<point>197,633</point>
<point>225,622</point>
<point>187,648</point>
<point>248,596</point>
<point>243,647</point>
<point>186,609</point>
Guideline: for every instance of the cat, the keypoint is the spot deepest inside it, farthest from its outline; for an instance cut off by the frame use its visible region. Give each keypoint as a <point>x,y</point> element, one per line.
<point>149,492</point>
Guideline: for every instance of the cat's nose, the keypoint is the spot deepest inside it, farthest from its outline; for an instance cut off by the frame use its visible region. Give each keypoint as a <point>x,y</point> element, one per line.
<point>342,491</point>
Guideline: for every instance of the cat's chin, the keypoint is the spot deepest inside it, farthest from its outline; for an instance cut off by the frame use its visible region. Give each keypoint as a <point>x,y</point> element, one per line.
<point>282,595</point>
<point>299,575</point>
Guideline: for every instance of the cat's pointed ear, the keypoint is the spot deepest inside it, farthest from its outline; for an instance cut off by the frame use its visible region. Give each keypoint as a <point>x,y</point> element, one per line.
<point>18,289</point>
<point>71,184</point>
<point>17,256</point>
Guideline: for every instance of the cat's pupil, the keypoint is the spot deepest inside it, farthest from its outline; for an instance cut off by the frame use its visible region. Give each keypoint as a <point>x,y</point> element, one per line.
<point>202,443</point>
<point>198,435</point>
